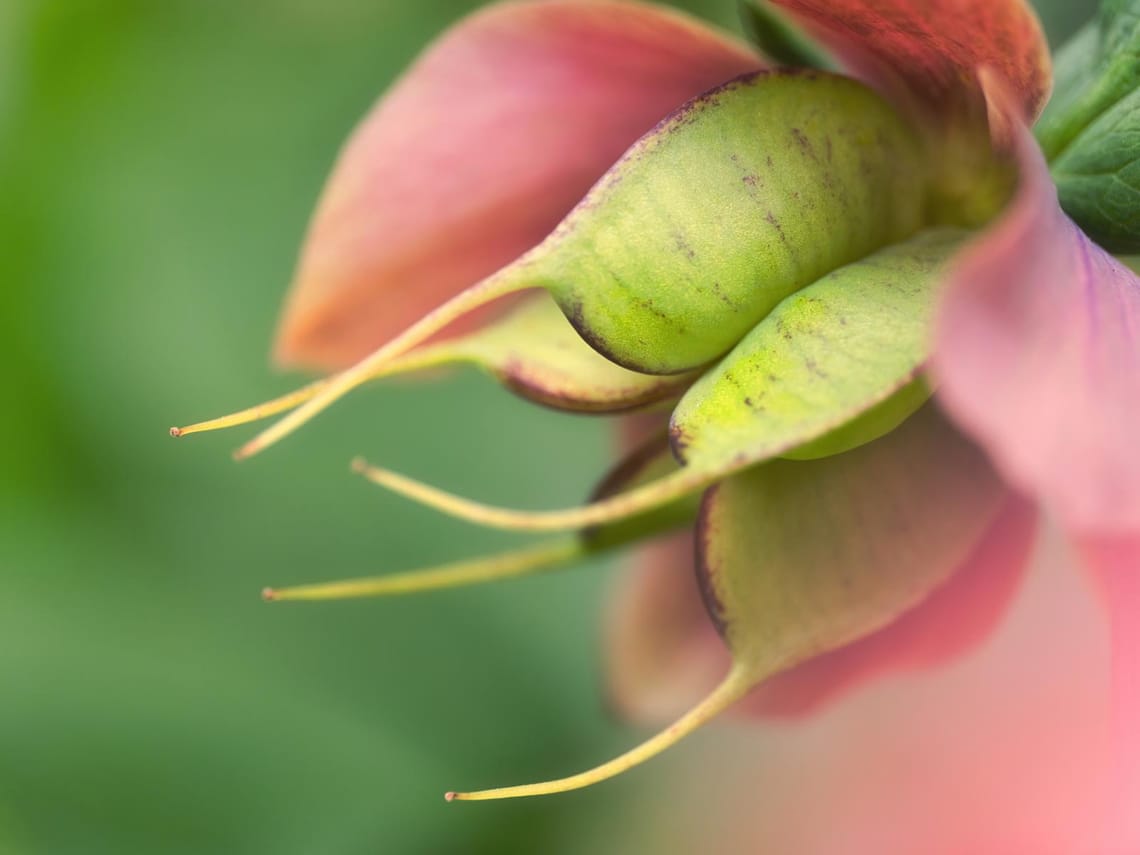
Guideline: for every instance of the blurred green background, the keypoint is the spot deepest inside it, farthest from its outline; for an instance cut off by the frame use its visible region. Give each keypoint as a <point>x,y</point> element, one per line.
<point>158,160</point>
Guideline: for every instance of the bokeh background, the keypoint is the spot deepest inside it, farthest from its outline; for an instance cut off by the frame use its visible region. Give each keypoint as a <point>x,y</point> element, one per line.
<point>158,161</point>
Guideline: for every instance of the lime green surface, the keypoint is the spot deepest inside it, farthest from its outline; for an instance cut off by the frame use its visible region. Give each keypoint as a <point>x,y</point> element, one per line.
<point>746,195</point>
<point>825,356</point>
<point>535,352</point>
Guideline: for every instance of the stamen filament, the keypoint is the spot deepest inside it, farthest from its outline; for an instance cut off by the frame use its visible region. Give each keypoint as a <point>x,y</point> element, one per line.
<point>428,357</point>
<point>735,686</point>
<point>255,413</point>
<point>544,556</point>
<point>367,368</point>
<point>608,510</point>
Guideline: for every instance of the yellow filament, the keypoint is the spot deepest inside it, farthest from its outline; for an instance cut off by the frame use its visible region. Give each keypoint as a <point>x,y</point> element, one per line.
<point>368,367</point>
<point>612,509</point>
<point>737,684</point>
<point>429,357</point>
<point>545,556</point>
<point>253,414</point>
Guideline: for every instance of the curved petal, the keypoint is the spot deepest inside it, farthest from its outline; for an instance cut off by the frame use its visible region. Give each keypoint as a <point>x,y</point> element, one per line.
<point>663,652</point>
<point>931,50</point>
<point>1115,565</point>
<point>478,152</point>
<point>999,754</point>
<point>956,618</point>
<point>1038,356</point>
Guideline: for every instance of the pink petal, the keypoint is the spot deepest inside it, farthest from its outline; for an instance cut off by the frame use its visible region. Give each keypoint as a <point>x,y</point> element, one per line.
<point>1038,356</point>
<point>481,148</point>
<point>1115,563</point>
<point>931,49</point>
<point>1000,754</point>
<point>664,653</point>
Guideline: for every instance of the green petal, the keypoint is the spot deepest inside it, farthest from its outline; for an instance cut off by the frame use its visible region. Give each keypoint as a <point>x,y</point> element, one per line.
<point>826,355</point>
<point>798,558</point>
<point>738,200</point>
<point>536,353</point>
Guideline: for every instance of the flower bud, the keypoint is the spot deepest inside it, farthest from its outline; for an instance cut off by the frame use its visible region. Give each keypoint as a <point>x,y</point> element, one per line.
<point>833,366</point>
<point>739,199</point>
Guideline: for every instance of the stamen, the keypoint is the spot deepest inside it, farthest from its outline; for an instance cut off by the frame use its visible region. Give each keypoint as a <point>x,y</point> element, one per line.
<point>253,414</point>
<point>611,509</point>
<point>428,357</point>
<point>545,556</point>
<point>338,385</point>
<point>735,686</point>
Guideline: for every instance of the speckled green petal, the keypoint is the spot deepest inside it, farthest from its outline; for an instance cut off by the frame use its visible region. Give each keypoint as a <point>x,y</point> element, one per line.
<point>738,200</point>
<point>536,353</point>
<point>798,558</point>
<point>827,355</point>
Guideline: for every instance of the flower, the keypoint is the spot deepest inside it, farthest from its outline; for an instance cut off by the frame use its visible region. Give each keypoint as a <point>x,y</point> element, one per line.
<point>831,252</point>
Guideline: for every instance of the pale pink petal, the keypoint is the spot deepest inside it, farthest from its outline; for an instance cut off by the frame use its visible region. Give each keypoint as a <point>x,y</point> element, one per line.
<point>1115,563</point>
<point>663,653</point>
<point>930,50</point>
<point>661,650</point>
<point>1037,355</point>
<point>1001,753</point>
<point>478,152</point>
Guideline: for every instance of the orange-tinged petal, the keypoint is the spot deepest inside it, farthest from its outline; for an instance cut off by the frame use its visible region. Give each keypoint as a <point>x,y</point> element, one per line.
<point>931,50</point>
<point>478,151</point>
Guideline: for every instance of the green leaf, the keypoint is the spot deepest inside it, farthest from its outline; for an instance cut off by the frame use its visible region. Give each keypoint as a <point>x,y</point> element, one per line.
<point>1091,129</point>
<point>780,39</point>
<point>799,558</point>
